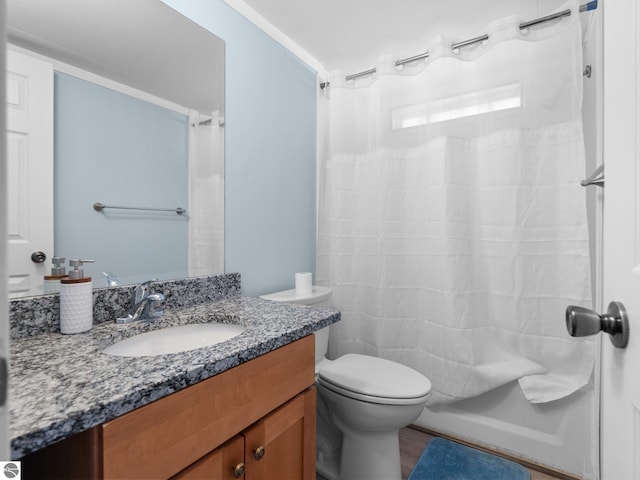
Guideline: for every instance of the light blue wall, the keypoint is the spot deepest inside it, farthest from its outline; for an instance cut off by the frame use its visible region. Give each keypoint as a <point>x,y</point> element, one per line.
<point>270,152</point>
<point>118,150</point>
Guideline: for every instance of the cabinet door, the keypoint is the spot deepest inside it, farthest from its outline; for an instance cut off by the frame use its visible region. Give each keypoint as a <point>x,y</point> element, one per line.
<point>224,463</point>
<point>283,444</point>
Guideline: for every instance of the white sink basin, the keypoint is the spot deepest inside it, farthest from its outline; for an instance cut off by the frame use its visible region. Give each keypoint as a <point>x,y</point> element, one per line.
<point>174,339</point>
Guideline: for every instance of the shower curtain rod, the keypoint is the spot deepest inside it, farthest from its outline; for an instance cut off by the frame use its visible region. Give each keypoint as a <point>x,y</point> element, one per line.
<point>592,5</point>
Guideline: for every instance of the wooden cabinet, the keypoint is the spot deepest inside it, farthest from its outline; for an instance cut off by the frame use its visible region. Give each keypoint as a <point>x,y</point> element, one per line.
<point>205,430</point>
<point>279,446</point>
<point>221,464</point>
<point>282,445</point>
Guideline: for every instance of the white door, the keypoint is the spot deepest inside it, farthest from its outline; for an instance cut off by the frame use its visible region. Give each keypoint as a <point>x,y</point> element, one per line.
<point>4,321</point>
<point>29,172</point>
<point>620,421</point>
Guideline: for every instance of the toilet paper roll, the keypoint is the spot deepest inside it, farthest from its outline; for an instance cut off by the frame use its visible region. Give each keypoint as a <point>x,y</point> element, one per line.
<point>304,283</point>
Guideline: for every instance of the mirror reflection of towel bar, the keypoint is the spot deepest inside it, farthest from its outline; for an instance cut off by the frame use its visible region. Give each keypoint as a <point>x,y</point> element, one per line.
<point>596,178</point>
<point>98,207</point>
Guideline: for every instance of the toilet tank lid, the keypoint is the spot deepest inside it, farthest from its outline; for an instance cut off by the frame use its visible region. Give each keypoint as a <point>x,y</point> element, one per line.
<point>375,376</point>
<point>317,295</point>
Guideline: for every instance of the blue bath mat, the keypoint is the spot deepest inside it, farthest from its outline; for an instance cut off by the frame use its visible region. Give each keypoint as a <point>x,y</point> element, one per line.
<point>445,460</point>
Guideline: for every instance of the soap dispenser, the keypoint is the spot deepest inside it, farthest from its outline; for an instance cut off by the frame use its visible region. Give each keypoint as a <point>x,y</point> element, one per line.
<point>58,272</point>
<point>76,300</point>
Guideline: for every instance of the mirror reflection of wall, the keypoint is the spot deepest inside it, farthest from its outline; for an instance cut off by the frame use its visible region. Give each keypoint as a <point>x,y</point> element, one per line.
<point>121,151</point>
<point>269,106</point>
<point>139,115</point>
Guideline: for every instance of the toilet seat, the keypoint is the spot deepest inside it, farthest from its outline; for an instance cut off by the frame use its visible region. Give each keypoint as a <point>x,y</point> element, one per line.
<point>374,380</point>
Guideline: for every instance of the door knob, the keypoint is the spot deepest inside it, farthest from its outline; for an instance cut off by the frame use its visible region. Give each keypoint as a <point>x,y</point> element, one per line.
<point>582,322</point>
<point>38,257</point>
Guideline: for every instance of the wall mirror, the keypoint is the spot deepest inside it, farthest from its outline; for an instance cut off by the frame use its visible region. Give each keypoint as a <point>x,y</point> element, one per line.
<point>136,121</point>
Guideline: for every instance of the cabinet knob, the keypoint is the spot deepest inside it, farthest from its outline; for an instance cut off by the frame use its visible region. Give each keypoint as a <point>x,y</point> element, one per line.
<point>259,452</point>
<point>238,470</point>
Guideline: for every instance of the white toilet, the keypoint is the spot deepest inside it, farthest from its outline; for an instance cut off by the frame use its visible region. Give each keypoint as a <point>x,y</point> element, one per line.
<point>363,402</point>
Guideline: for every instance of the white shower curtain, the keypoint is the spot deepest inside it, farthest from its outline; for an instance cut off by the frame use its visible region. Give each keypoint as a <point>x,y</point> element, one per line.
<point>452,224</point>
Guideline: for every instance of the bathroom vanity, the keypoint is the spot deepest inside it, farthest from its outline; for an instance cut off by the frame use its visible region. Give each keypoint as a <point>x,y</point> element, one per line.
<point>256,420</point>
<point>239,408</point>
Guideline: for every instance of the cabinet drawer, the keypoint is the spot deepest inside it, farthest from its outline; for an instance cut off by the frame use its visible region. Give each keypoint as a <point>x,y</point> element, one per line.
<point>160,439</point>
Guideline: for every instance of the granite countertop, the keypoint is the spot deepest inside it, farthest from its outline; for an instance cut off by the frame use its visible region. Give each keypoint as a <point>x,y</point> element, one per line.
<point>63,384</point>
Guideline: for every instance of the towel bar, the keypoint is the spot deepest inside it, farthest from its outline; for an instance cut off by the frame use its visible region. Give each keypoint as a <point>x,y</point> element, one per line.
<point>98,207</point>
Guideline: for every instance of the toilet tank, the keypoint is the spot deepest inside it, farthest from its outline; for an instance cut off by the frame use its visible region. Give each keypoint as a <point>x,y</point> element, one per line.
<point>319,297</point>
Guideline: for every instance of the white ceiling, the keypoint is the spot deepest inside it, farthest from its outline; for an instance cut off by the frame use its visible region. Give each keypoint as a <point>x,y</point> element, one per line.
<point>351,34</point>
<point>337,34</point>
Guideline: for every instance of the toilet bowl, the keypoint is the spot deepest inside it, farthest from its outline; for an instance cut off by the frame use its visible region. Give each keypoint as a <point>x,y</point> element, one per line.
<point>369,400</point>
<point>363,402</point>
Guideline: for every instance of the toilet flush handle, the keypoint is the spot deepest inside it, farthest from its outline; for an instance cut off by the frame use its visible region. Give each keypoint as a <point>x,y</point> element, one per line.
<point>582,322</point>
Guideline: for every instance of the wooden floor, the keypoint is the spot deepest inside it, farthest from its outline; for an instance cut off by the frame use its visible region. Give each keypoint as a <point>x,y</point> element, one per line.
<point>413,443</point>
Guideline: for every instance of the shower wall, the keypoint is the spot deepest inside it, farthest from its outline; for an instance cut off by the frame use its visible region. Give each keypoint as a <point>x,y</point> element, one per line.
<point>562,434</point>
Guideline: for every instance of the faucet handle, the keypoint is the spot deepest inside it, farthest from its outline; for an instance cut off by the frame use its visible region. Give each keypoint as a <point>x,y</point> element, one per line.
<point>146,306</point>
<point>112,279</point>
<point>154,308</point>
<point>140,292</point>
<point>142,289</point>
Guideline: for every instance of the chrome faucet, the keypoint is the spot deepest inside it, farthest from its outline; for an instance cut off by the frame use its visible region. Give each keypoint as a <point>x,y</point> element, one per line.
<point>146,306</point>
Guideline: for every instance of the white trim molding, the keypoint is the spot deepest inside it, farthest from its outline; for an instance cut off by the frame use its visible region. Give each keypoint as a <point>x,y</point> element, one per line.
<point>270,29</point>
